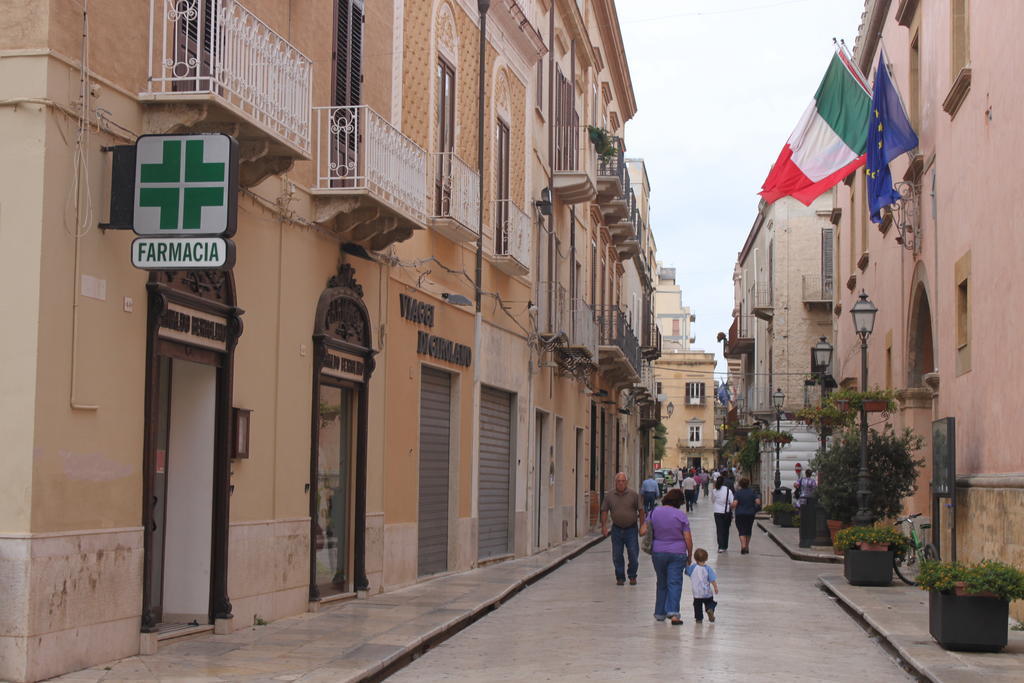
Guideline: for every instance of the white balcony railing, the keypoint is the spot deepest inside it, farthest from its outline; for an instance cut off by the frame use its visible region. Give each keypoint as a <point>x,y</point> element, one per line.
<point>584,327</point>
<point>512,232</point>
<point>358,149</point>
<point>647,378</point>
<point>220,47</point>
<point>456,190</point>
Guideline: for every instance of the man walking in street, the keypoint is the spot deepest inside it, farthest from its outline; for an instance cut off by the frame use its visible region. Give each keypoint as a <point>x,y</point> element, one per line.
<point>626,514</point>
<point>650,491</point>
<point>690,491</point>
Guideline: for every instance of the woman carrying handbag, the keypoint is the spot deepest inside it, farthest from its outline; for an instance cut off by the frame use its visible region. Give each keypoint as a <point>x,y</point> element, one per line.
<point>722,498</point>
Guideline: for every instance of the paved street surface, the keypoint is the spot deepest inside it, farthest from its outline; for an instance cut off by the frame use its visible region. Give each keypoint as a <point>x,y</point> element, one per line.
<point>576,624</point>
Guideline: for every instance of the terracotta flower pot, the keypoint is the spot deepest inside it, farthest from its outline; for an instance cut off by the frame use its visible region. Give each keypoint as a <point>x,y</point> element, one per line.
<point>877,547</point>
<point>960,589</point>
<point>876,406</point>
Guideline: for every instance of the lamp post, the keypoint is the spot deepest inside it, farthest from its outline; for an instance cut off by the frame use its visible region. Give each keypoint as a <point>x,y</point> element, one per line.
<point>778,399</point>
<point>670,408</point>
<point>863,313</point>
<point>821,354</point>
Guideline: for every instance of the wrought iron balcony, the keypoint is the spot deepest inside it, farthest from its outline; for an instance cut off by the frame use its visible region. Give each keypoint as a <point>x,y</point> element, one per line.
<point>741,336</point>
<point>371,180</point>
<point>647,387</point>
<point>612,174</point>
<point>817,289</point>
<point>575,165</point>
<point>236,74</point>
<point>454,211</point>
<point>624,228</point>
<point>762,304</point>
<point>627,242</point>
<point>511,237</point>
<point>618,348</point>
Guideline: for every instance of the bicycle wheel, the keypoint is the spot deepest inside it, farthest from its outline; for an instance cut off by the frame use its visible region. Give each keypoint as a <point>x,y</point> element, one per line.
<point>908,566</point>
<point>930,553</point>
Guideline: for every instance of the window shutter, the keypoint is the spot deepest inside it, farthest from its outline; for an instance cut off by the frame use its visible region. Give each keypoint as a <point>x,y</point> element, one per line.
<point>348,53</point>
<point>827,236</point>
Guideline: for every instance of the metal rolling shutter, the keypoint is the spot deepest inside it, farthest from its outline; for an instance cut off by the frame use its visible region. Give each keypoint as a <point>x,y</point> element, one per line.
<point>495,472</point>
<point>435,444</point>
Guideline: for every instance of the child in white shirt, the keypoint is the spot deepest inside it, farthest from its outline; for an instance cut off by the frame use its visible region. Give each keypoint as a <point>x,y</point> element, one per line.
<point>703,579</point>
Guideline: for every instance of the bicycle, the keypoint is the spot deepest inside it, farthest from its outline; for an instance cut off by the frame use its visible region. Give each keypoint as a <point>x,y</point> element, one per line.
<point>908,565</point>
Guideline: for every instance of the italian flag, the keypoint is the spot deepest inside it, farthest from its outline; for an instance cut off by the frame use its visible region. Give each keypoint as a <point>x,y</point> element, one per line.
<point>829,142</point>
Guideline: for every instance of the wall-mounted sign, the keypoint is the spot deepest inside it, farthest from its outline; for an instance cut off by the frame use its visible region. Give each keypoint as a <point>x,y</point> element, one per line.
<point>443,349</point>
<point>189,326</point>
<point>416,311</point>
<point>186,185</point>
<point>343,366</point>
<point>943,457</point>
<point>183,253</point>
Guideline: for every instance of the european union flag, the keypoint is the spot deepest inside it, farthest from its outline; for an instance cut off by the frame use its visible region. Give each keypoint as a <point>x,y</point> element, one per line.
<point>889,135</point>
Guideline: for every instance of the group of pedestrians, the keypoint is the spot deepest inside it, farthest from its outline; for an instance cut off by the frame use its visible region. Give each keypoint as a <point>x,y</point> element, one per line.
<point>672,548</point>
<point>743,503</point>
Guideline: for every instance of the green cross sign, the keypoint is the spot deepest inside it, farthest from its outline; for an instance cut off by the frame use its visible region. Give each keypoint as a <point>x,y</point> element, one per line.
<point>186,185</point>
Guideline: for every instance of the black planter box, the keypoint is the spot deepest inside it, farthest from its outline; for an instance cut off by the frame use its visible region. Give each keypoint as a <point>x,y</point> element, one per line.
<point>786,519</point>
<point>868,567</point>
<point>966,623</point>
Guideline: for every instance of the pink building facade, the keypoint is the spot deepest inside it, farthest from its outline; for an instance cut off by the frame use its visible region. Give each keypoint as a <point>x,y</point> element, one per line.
<point>943,272</point>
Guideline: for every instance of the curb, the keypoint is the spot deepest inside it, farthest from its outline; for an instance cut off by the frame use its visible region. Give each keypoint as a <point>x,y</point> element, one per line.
<point>438,635</point>
<point>798,555</point>
<point>830,587</point>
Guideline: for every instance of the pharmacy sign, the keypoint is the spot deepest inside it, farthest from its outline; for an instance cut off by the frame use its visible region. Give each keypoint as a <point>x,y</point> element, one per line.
<point>185,201</point>
<point>186,185</point>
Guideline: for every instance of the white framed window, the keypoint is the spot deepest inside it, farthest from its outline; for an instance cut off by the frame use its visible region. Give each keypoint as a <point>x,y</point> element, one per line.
<point>695,393</point>
<point>695,433</point>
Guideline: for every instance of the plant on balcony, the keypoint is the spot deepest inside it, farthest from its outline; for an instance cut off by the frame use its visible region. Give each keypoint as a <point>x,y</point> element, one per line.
<point>827,416</point>
<point>892,467</point>
<point>772,436</point>
<point>602,141</point>
<point>875,401</point>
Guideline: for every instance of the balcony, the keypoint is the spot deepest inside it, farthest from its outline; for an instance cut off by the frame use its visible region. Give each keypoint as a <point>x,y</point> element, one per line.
<point>612,177</point>
<point>221,69</point>
<point>454,211</point>
<point>511,237</point>
<point>552,310</point>
<point>646,389</point>
<point>762,301</point>
<point>817,289</point>
<point>618,348</point>
<point>371,180</point>
<point>577,354</point>
<point>741,337</point>
<point>687,445</point>
<point>574,178</point>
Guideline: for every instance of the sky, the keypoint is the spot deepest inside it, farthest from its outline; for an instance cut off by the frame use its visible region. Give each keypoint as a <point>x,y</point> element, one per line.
<point>719,85</point>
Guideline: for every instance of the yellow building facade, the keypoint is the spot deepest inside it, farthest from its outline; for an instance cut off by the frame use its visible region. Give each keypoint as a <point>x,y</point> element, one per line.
<point>378,391</point>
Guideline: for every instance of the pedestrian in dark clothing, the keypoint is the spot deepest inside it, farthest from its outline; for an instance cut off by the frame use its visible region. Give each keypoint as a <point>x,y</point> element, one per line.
<point>745,506</point>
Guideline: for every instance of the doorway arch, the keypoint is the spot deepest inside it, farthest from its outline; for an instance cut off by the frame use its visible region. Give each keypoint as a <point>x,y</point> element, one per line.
<point>920,337</point>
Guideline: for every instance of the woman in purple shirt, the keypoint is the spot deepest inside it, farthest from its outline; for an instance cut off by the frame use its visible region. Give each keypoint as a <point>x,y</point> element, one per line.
<point>671,548</point>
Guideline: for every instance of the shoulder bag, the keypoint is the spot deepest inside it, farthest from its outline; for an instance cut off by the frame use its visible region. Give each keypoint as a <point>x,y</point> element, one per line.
<point>647,540</point>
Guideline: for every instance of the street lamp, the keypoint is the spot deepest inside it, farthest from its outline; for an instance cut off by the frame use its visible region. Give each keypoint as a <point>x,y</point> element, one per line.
<point>863,313</point>
<point>778,399</point>
<point>670,408</point>
<point>821,357</point>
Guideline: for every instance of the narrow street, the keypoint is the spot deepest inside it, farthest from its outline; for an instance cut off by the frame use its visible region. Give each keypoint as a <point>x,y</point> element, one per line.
<point>576,624</point>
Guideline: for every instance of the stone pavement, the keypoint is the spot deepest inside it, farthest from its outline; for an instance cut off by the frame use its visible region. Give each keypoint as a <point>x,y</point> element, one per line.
<point>788,538</point>
<point>899,613</point>
<point>773,624</point>
<point>342,642</point>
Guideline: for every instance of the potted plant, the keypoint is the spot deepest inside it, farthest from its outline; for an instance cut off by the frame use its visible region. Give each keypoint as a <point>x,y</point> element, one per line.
<point>874,401</point>
<point>602,141</point>
<point>892,466</point>
<point>868,553</point>
<point>782,513</point>
<point>969,605</point>
<point>772,436</point>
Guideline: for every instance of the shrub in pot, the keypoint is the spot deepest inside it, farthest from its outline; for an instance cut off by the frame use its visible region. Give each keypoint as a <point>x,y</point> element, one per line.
<point>892,467</point>
<point>969,605</point>
<point>868,554</point>
<point>782,513</point>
